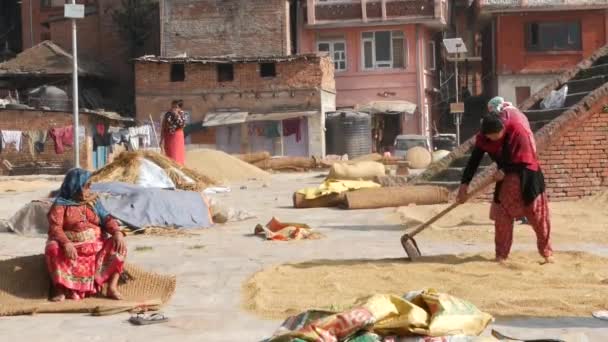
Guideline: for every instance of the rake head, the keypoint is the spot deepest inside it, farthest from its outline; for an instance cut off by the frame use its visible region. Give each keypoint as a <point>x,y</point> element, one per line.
<point>410,247</point>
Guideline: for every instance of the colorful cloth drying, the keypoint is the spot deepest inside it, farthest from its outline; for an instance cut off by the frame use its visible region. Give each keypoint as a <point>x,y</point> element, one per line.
<point>278,231</point>
<point>62,136</point>
<point>292,126</point>
<point>36,140</point>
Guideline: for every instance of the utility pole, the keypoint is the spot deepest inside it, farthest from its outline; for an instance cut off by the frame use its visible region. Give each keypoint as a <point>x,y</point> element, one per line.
<point>74,12</point>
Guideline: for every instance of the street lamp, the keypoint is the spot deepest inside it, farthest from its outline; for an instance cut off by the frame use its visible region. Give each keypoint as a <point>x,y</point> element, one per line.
<point>75,11</point>
<point>456,46</point>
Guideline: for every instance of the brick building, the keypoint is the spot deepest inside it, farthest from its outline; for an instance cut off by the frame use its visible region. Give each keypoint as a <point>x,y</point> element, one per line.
<point>528,44</point>
<point>382,50</point>
<point>99,39</point>
<point>229,27</point>
<point>49,162</point>
<point>230,98</point>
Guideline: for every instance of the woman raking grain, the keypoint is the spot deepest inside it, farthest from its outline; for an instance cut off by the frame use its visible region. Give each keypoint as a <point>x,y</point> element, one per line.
<point>520,189</point>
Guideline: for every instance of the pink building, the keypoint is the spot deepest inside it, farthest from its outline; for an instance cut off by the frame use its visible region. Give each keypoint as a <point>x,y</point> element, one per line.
<point>383,50</point>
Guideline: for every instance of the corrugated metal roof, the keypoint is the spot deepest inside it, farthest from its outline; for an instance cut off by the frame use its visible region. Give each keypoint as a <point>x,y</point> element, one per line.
<point>228,59</point>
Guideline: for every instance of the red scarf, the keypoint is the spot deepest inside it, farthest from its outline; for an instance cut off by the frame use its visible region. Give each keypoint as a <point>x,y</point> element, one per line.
<point>521,139</point>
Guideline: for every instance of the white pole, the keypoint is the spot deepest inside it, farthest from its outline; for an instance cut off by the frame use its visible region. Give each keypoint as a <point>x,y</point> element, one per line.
<point>75,93</point>
<point>456,82</point>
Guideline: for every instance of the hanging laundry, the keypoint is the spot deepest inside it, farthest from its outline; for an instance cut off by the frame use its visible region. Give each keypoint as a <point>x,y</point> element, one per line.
<point>100,128</point>
<point>271,130</point>
<point>81,135</point>
<point>10,138</point>
<point>143,133</point>
<point>62,136</point>
<point>36,140</point>
<point>292,126</point>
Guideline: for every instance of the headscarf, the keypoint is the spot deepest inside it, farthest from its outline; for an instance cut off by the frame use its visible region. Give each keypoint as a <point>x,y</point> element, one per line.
<point>71,188</point>
<point>495,104</point>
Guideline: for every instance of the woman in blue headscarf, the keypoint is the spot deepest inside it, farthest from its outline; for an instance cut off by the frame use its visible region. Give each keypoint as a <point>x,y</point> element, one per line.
<point>80,254</point>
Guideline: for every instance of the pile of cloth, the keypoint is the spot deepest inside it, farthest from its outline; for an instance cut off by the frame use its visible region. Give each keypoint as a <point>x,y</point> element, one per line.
<point>282,231</point>
<point>418,316</point>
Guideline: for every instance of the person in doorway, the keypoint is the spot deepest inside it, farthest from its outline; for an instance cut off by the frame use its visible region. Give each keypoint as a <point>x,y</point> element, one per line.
<point>85,247</point>
<point>172,133</point>
<point>520,190</point>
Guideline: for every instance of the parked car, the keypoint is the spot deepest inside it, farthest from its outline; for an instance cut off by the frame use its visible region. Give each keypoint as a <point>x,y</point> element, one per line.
<point>407,141</point>
<point>445,142</point>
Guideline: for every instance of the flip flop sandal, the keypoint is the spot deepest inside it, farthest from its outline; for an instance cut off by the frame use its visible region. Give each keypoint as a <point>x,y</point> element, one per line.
<point>601,314</point>
<point>142,319</point>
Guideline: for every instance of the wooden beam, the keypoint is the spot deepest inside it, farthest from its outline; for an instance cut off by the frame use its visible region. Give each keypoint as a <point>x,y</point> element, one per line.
<point>383,5</point>
<point>310,7</point>
<point>364,10</point>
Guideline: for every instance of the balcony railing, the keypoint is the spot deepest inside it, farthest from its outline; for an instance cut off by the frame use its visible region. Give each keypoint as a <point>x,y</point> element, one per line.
<point>335,11</point>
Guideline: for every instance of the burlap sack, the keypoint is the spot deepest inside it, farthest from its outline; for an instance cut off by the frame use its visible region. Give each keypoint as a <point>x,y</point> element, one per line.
<point>366,170</point>
<point>418,157</point>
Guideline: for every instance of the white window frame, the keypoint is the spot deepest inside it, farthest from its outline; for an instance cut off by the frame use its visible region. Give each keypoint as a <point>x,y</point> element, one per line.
<point>331,43</point>
<point>379,65</point>
<point>434,58</point>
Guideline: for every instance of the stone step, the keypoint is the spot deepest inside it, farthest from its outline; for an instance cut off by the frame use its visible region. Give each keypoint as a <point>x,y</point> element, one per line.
<point>544,114</point>
<point>449,185</point>
<point>596,70</point>
<point>601,60</point>
<point>573,99</point>
<point>586,84</point>
<point>462,161</point>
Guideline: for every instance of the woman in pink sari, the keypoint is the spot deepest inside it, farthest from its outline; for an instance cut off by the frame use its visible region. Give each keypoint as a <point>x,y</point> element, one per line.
<point>172,133</point>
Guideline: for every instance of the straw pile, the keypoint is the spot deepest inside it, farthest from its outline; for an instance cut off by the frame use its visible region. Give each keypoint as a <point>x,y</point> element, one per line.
<point>125,168</point>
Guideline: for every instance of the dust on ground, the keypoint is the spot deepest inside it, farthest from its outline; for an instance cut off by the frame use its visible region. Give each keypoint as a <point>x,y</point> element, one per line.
<point>574,286</point>
<point>582,221</point>
<point>27,186</point>
<point>222,166</point>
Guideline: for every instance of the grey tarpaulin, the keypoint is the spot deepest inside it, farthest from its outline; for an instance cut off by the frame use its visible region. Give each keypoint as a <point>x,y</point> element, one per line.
<point>142,207</point>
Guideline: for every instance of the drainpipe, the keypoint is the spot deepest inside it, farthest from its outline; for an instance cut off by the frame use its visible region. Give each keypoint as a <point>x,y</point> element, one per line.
<point>419,72</point>
<point>31,25</point>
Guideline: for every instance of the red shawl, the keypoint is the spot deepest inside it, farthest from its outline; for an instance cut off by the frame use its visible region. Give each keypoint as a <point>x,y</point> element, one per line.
<point>521,139</point>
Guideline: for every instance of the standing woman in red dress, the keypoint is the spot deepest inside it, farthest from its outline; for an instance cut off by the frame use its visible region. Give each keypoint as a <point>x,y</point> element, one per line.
<point>172,133</point>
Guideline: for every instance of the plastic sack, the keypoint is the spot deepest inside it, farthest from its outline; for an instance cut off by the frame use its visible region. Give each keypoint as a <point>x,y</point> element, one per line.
<point>394,315</point>
<point>556,99</point>
<point>365,170</point>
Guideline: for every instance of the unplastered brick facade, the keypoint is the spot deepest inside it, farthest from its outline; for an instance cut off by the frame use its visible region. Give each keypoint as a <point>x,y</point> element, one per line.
<point>301,83</point>
<point>227,27</point>
<point>24,120</point>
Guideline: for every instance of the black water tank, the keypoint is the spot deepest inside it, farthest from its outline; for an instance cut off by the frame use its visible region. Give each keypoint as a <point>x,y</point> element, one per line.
<point>349,133</point>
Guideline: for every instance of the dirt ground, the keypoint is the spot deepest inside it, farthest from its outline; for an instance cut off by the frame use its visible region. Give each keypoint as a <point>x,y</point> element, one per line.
<point>213,264</point>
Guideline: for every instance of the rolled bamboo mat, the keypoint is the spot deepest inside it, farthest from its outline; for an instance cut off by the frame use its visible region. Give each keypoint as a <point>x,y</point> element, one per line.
<point>331,200</point>
<point>254,157</point>
<point>287,163</point>
<point>395,197</point>
<point>25,288</point>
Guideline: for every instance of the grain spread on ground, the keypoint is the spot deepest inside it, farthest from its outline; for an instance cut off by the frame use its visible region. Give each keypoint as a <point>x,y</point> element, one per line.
<point>582,221</point>
<point>26,186</point>
<point>222,166</point>
<point>574,286</point>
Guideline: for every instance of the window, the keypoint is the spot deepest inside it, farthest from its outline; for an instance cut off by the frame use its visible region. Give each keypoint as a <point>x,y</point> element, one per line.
<point>225,73</point>
<point>553,36</point>
<point>178,72</point>
<point>384,50</point>
<point>336,50</point>
<point>268,69</point>
<point>430,56</point>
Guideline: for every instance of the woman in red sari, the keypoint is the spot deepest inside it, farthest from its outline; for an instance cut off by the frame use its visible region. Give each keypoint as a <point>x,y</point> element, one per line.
<point>172,133</point>
<point>80,256</point>
<point>520,189</point>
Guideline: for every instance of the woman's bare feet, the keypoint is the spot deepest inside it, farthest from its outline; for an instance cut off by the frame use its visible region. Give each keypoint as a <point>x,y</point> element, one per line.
<point>114,294</point>
<point>58,295</point>
<point>501,261</point>
<point>548,260</point>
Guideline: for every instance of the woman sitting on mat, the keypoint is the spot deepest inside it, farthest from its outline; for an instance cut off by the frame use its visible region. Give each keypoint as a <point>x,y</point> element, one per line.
<point>79,255</point>
<point>520,189</point>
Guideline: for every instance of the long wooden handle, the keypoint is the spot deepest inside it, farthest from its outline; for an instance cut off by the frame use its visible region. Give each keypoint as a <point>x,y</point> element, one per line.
<point>452,206</point>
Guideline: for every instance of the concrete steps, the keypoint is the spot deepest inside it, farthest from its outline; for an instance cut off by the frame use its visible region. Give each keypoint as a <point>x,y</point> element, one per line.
<point>586,85</point>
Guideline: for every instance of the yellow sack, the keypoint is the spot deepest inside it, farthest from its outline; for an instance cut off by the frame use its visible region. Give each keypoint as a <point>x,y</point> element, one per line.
<point>332,186</point>
<point>452,316</point>
<point>394,315</point>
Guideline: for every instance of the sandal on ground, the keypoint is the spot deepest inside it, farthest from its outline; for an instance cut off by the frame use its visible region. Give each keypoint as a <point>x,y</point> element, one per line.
<point>142,319</point>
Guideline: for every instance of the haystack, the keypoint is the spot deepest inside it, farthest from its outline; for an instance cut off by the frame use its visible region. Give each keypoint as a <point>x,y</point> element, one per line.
<point>126,168</point>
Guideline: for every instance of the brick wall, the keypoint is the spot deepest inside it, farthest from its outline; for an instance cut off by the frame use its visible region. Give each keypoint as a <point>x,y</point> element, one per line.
<point>216,28</point>
<point>576,165</point>
<point>38,120</point>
